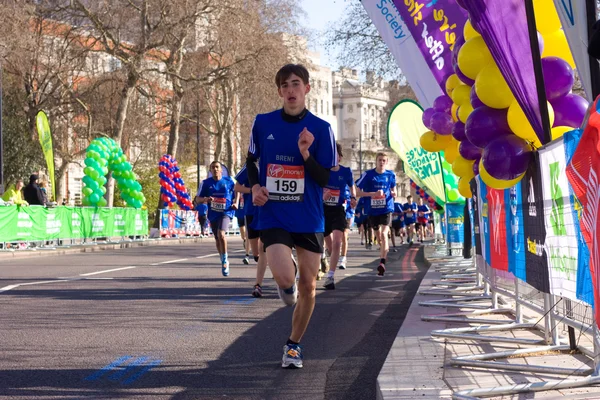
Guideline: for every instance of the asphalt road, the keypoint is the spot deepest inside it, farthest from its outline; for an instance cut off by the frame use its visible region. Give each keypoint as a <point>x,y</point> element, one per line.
<point>162,323</point>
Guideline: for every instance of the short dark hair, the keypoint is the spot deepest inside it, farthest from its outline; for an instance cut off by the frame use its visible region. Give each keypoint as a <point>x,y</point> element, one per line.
<point>287,70</point>
<point>213,163</point>
<point>409,196</point>
<point>338,147</point>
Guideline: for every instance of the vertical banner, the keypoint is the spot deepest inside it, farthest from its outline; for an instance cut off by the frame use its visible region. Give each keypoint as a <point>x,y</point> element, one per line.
<point>405,127</point>
<point>45,135</point>
<point>497,225</point>
<point>436,26</point>
<point>513,201</point>
<point>561,237</point>
<point>476,217</point>
<point>403,47</point>
<point>536,259</point>
<point>484,223</point>
<point>456,219</point>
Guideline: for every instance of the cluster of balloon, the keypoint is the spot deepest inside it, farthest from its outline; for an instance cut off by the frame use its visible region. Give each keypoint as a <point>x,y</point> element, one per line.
<point>172,188</point>
<point>103,155</point>
<point>421,192</point>
<point>496,134</point>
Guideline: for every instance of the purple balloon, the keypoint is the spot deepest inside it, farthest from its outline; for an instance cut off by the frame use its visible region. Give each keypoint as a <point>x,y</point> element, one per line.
<point>476,166</point>
<point>464,79</point>
<point>475,102</point>
<point>506,157</point>
<point>558,77</point>
<point>458,131</point>
<point>441,123</point>
<point>461,4</point>
<point>486,124</point>
<point>469,151</point>
<point>426,118</point>
<point>443,104</point>
<point>569,110</point>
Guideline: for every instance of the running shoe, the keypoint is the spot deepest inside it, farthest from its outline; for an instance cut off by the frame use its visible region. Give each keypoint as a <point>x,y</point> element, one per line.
<point>324,265</point>
<point>342,263</point>
<point>362,242</point>
<point>329,283</point>
<point>381,269</point>
<point>292,356</point>
<point>288,296</point>
<point>257,292</point>
<point>225,268</point>
<point>246,260</point>
<point>395,250</point>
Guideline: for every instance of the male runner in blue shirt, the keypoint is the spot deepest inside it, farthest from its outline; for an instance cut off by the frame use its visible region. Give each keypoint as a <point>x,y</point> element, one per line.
<point>240,215</point>
<point>335,213</point>
<point>218,192</point>
<point>422,219</point>
<point>380,185</point>
<point>410,218</point>
<point>295,151</point>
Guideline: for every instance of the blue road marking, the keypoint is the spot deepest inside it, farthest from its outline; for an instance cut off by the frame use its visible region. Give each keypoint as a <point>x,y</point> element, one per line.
<point>135,363</point>
<point>141,372</point>
<point>107,368</point>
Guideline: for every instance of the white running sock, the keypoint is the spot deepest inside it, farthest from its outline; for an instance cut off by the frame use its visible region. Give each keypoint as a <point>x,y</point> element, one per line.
<point>330,273</point>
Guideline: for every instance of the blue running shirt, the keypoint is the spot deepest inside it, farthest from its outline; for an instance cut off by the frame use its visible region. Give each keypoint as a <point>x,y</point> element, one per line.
<point>371,181</point>
<point>423,209</point>
<point>222,192</point>
<point>410,215</point>
<point>242,179</point>
<point>398,214</point>
<point>201,208</point>
<point>334,194</point>
<point>361,210</point>
<point>295,199</point>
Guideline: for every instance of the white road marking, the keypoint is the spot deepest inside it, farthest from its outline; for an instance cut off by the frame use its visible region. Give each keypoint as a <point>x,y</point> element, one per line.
<point>173,261</point>
<point>105,271</point>
<point>11,287</point>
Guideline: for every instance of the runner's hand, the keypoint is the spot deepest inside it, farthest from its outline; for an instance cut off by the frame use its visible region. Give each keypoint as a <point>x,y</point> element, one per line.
<point>305,140</point>
<point>260,195</point>
<point>234,207</point>
<point>353,203</point>
<point>379,193</point>
<point>209,199</point>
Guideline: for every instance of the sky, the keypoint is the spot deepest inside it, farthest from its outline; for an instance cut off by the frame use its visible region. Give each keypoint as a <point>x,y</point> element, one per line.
<point>321,14</point>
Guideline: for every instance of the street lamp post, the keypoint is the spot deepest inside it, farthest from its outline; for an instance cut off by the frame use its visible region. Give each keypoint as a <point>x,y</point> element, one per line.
<point>360,152</point>
<point>198,141</point>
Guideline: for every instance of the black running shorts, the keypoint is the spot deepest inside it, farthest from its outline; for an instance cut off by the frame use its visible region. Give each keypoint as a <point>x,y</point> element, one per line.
<point>312,242</point>
<point>241,222</point>
<point>251,233</point>
<point>220,224</point>
<point>383,219</point>
<point>335,219</point>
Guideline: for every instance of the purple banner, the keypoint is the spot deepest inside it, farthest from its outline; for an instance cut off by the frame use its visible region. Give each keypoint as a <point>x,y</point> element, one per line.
<point>436,26</point>
<point>503,26</point>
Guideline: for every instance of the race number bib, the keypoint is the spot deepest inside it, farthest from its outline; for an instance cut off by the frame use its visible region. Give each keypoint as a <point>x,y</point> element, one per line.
<point>218,204</point>
<point>395,217</point>
<point>241,205</point>
<point>331,197</point>
<point>378,202</point>
<point>285,182</point>
<point>410,214</point>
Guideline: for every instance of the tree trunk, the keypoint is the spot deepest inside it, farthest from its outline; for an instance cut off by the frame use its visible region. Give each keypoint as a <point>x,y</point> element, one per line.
<point>127,93</point>
<point>59,176</point>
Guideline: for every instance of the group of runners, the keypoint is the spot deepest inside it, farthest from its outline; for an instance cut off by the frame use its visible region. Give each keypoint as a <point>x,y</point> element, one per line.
<point>293,193</point>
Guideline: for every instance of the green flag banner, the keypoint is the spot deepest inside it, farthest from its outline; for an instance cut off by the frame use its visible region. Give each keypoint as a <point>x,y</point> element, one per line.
<point>37,223</point>
<point>43,128</point>
<point>405,128</point>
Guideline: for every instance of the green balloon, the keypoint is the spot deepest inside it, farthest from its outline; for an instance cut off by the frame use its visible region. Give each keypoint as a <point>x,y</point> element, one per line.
<point>85,201</point>
<point>102,202</point>
<point>93,185</point>
<point>94,174</point>
<point>87,170</point>
<point>87,191</point>
<point>94,198</point>
<point>453,195</point>
<point>104,171</point>
<point>103,190</point>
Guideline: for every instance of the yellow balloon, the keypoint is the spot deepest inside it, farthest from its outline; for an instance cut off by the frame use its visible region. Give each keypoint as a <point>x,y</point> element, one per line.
<point>469,32</point>
<point>556,45</point>
<point>558,131</point>
<point>432,142</point>
<point>451,151</point>
<point>462,167</point>
<point>473,56</point>
<point>519,124</point>
<point>461,95</point>
<point>492,89</point>
<point>453,111</point>
<point>452,82</point>
<point>464,188</point>
<point>546,17</point>
<point>464,111</point>
<point>497,183</point>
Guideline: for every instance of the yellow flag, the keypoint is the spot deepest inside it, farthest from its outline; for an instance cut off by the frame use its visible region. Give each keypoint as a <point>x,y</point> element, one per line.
<point>43,128</point>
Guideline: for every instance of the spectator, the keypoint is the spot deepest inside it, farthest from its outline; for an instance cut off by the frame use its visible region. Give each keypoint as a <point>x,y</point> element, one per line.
<point>44,190</point>
<point>13,194</point>
<point>32,192</point>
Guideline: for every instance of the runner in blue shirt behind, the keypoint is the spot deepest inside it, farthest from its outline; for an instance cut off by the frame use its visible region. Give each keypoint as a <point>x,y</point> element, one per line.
<point>240,215</point>
<point>350,211</point>
<point>380,185</point>
<point>202,209</point>
<point>243,186</point>
<point>335,213</point>
<point>410,218</point>
<point>218,192</point>
<point>397,224</point>
<point>360,217</point>
<point>295,151</point>
<point>422,219</point>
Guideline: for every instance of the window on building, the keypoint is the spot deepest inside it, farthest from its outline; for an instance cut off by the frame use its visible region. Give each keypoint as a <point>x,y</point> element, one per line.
<point>315,106</point>
<point>322,107</point>
<point>365,130</point>
<point>327,107</point>
<point>365,110</point>
<point>350,109</point>
<point>334,114</point>
<point>326,86</point>
<point>374,131</point>
<point>372,112</point>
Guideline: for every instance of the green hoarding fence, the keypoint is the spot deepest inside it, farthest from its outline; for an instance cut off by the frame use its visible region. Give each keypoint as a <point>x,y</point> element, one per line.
<point>37,223</point>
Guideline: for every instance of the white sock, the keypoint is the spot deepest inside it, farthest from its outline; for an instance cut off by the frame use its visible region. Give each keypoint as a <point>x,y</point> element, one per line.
<point>342,259</point>
<point>323,256</point>
<point>330,273</point>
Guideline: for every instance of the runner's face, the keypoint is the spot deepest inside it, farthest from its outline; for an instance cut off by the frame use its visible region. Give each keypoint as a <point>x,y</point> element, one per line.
<point>216,170</point>
<point>381,162</point>
<point>293,92</point>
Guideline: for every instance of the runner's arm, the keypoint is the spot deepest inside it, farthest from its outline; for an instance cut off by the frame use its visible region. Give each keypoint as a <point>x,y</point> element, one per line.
<point>316,171</point>
<point>242,189</point>
<point>252,169</point>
